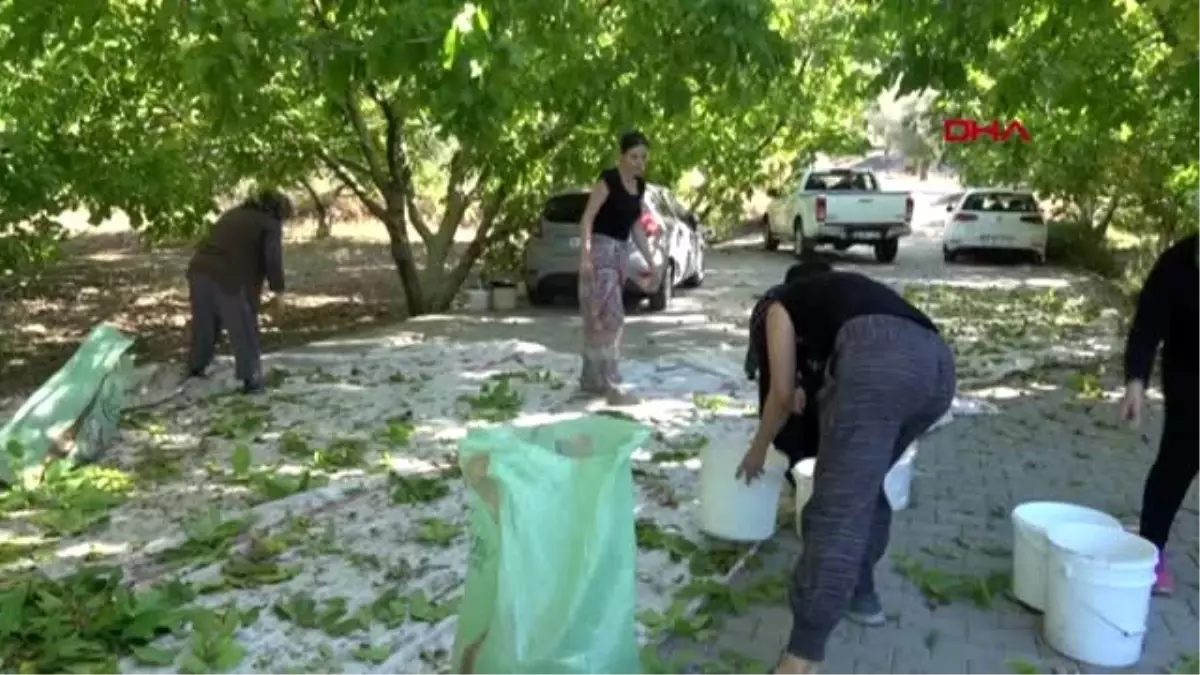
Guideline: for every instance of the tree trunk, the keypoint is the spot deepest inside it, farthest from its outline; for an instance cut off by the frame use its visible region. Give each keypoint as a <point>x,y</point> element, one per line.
<point>402,256</point>
<point>324,226</point>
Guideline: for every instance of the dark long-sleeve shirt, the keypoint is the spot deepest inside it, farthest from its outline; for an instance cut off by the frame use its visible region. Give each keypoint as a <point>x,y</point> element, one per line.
<point>243,248</point>
<point>1168,311</point>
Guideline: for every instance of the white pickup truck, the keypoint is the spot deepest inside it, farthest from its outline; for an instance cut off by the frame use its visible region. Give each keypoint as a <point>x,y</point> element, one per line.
<point>842,207</point>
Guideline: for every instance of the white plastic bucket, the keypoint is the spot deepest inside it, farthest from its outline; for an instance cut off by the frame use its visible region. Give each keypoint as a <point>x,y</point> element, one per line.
<point>478,300</point>
<point>504,298</point>
<point>802,473</point>
<point>1098,593</point>
<point>897,484</point>
<point>730,509</point>
<point>1029,521</point>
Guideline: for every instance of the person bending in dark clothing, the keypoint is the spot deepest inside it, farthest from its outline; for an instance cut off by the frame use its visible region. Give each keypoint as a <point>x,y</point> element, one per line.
<point>798,439</point>
<point>225,280</point>
<point>1168,312</point>
<point>889,376</point>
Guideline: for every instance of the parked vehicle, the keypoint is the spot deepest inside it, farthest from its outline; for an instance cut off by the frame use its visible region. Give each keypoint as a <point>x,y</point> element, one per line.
<point>841,207</point>
<point>552,251</point>
<point>993,219</point>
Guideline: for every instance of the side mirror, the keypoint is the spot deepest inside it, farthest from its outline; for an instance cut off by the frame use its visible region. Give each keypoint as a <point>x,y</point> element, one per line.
<point>773,193</point>
<point>949,208</point>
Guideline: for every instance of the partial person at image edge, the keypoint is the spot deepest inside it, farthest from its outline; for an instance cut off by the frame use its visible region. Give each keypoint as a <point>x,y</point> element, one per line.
<point>225,277</point>
<point>1168,314</point>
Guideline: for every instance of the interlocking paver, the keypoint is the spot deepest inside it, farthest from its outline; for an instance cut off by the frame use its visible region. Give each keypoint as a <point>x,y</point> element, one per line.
<point>969,477</point>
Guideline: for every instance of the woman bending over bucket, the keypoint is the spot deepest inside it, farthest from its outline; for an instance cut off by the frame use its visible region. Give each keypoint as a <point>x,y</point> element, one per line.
<point>888,377</point>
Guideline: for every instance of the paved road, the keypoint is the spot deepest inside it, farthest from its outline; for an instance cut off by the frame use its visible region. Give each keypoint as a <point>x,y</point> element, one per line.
<point>1044,445</point>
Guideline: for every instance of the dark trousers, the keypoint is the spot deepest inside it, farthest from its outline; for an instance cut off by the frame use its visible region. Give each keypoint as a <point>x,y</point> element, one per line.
<point>888,381</point>
<point>1175,468</point>
<point>215,309</point>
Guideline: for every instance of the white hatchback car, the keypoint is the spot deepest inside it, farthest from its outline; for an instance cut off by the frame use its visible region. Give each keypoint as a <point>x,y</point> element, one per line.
<point>993,220</point>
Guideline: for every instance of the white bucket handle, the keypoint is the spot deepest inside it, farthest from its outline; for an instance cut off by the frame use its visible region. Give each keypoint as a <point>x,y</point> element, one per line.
<point>1124,633</point>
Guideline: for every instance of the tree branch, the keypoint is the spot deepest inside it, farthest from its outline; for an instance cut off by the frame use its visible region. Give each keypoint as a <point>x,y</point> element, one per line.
<point>479,243</point>
<point>365,142</point>
<point>377,209</point>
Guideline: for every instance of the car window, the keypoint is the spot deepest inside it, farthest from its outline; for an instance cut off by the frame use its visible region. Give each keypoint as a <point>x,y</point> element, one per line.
<point>566,208</point>
<point>832,181</point>
<point>1001,202</point>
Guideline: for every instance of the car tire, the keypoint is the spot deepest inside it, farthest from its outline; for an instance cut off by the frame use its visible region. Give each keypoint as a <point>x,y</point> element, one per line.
<point>630,301</point>
<point>661,298</point>
<point>538,297</point>
<point>696,279</point>
<point>886,250</point>
<point>948,255</point>
<point>770,243</point>
<point>803,247</point>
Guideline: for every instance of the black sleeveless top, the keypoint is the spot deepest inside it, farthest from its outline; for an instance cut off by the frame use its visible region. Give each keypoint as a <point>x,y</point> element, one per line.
<point>620,210</point>
<point>821,304</point>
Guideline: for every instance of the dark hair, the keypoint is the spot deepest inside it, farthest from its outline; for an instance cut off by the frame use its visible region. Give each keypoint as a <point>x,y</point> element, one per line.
<point>273,202</point>
<point>806,269</point>
<point>633,139</point>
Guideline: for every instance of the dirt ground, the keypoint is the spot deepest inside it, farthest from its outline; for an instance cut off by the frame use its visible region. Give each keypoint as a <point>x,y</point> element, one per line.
<point>341,284</point>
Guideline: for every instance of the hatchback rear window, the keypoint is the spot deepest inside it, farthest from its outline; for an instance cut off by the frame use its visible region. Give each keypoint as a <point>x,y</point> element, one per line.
<point>1003,202</point>
<point>565,208</point>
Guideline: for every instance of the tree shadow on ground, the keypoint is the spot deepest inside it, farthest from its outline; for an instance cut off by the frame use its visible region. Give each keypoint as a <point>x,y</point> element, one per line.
<point>336,285</point>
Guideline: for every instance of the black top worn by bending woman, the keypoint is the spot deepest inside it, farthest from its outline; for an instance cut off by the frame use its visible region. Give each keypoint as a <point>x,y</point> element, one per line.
<point>819,305</point>
<point>1167,312</point>
<point>621,210</point>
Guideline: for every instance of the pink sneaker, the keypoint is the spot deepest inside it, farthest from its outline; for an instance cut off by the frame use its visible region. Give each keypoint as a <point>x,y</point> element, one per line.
<point>1164,583</point>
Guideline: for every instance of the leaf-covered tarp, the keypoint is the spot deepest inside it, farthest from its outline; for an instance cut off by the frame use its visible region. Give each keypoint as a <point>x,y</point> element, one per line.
<point>76,413</point>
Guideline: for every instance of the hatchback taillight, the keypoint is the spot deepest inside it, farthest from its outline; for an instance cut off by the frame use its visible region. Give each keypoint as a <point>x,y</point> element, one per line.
<point>965,217</point>
<point>820,209</point>
<point>1035,219</point>
<point>908,208</point>
<point>650,224</point>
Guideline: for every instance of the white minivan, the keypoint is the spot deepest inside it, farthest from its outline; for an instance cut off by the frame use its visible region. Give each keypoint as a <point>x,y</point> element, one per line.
<point>993,219</point>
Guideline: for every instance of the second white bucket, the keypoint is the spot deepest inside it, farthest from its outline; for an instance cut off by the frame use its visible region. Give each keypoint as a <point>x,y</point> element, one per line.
<point>897,484</point>
<point>802,474</point>
<point>730,509</point>
<point>1030,547</point>
<point>1098,593</point>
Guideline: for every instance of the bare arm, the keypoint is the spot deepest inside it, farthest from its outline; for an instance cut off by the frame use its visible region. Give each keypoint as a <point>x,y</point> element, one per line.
<point>595,200</point>
<point>781,360</point>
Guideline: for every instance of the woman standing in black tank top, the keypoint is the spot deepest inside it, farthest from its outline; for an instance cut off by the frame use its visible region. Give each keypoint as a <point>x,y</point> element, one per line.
<point>608,221</point>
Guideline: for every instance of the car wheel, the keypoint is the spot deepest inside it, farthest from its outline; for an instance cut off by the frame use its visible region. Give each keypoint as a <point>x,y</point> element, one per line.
<point>886,250</point>
<point>948,255</point>
<point>802,245</point>
<point>662,297</point>
<point>770,243</point>
<point>696,279</point>
<point>538,297</point>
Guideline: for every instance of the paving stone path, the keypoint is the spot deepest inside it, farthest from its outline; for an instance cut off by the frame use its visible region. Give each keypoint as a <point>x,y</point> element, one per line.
<point>1052,445</point>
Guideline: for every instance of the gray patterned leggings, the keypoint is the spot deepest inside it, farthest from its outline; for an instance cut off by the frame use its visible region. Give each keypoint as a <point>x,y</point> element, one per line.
<point>887,382</point>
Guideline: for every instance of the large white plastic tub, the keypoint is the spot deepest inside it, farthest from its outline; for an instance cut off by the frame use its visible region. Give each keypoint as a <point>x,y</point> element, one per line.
<point>730,509</point>
<point>1098,593</point>
<point>1030,547</point>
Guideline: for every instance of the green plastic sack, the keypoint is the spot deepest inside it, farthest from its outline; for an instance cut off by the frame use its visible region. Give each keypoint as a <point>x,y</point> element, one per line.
<point>76,413</point>
<point>552,580</point>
